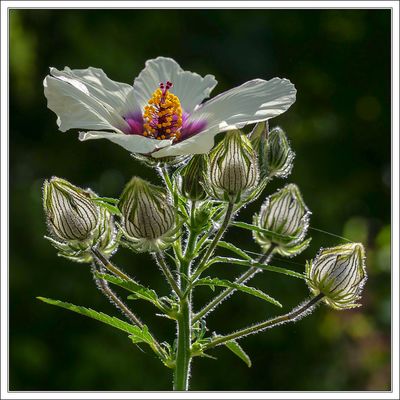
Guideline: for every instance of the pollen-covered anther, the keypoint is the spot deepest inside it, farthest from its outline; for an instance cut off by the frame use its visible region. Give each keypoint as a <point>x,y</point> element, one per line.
<point>163,114</point>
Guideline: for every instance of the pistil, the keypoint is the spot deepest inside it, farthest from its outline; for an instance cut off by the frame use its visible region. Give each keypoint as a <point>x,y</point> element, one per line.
<point>163,114</point>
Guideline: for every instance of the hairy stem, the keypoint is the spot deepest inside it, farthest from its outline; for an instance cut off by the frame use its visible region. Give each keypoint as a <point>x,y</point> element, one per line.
<point>203,262</point>
<point>167,273</point>
<point>184,323</point>
<point>108,292</point>
<point>265,258</point>
<point>108,265</point>
<point>291,316</point>
<point>104,287</point>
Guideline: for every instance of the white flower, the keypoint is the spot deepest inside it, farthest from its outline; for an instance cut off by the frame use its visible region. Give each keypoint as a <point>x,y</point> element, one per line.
<point>161,114</point>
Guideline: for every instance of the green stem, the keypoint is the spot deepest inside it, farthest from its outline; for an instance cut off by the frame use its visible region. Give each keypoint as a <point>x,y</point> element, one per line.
<point>102,284</point>
<point>183,353</point>
<point>108,265</point>
<point>292,316</point>
<point>167,180</point>
<point>265,258</point>
<point>106,290</point>
<point>167,273</point>
<point>203,263</point>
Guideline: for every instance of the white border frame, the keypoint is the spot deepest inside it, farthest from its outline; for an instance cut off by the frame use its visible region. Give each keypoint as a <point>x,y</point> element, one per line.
<point>6,5</point>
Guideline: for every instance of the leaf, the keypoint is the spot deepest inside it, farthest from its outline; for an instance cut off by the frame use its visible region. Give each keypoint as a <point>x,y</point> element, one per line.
<point>106,200</point>
<point>242,288</point>
<point>99,316</point>
<point>139,290</point>
<point>255,264</point>
<point>111,208</point>
<point>234,347</point>
<point>294,250</point>
<point>233,248</point>
<point>256,228</point>
<point>142,336</point>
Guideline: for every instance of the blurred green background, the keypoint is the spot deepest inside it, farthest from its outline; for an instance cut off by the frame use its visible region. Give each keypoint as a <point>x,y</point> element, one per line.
<point>339,127</point>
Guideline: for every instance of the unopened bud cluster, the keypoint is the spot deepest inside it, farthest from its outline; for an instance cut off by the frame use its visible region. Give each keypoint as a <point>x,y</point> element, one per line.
<point>339,274</point>
<point>76,223</point>
<point>284,220</point>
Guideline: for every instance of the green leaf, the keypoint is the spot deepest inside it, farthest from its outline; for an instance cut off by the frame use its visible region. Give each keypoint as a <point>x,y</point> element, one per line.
<point>256,228</point>
<point>248,263</point>
<point>233,248</point>
<point>99,316</point>
<point>136,334</point>
<point>294,250</point>
<point>142,336</point>
<point>242,288</point>
<point>234,347</point>
<point>111,208</point>
<point>139,291</point>
<point>106,200</point>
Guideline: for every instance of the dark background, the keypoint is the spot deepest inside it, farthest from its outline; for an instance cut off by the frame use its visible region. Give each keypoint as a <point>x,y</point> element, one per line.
<point>339,127</point>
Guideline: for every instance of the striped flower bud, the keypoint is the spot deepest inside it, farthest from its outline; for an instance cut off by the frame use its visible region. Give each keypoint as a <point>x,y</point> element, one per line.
<point>192,178</point>
<point>258,138</point>
<point>284,220</point>
<point>71,214</point>
<point>148,222</point>
<point>233,171</point>
<point>339,274</point>
<point>279,157</point>
<point>106,242</point>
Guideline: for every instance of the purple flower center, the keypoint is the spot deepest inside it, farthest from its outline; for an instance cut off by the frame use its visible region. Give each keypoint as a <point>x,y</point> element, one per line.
<point>163,118</point>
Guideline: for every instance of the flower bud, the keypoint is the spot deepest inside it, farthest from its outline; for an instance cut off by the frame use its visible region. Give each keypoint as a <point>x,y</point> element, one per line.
<point>339,274</point>
<point>279,161</point>
<point>285,218</point>
<point>192,178</point>
<point>233,171</point>
<point>106,242</point>
<point>71,214</point>
<point>258,138</point>
<point>148,222</point>
<point>273,149</point>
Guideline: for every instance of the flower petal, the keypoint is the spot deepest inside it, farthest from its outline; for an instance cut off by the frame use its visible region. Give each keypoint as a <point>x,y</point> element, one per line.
<point>198,144</point>
<point>190,87</point>
<point>117,95</point>
<point>254,101</point>
<point>87,99</point>
<point>132,143</point>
